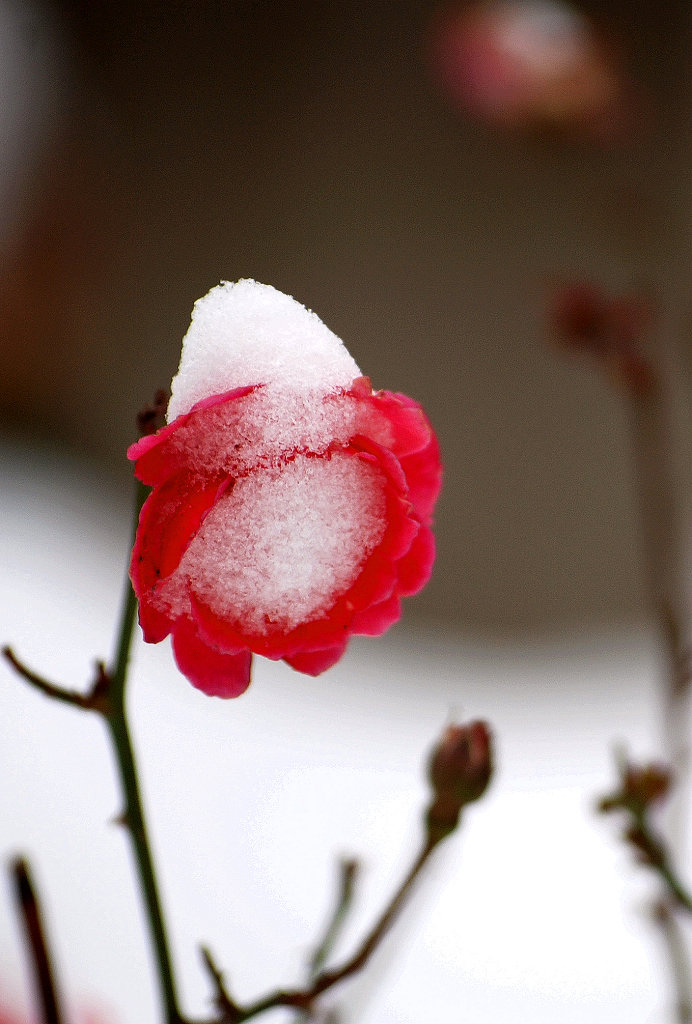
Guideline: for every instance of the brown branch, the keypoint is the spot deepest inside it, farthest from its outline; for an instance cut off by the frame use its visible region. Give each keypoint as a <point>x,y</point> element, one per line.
<point>95,700</point>
<point>228,1008</point>
<point>35,936</point>
<point>303,999</point>
<point>348,870</point>
<point>641,788</point>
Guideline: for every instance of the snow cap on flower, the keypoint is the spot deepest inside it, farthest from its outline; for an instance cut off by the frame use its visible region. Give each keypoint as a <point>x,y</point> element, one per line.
<point>291,504</point>
<point>250,333</point>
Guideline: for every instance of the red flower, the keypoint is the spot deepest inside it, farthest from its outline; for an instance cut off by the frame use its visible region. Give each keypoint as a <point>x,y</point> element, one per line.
<point>280,524</point>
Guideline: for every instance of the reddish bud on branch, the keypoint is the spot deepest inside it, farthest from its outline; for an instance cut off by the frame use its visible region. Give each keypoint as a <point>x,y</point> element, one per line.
<point>459,771</point>
<point>582,316</point>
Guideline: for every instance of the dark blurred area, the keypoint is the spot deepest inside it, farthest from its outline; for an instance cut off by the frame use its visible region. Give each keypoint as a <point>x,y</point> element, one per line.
<point>312,147</point>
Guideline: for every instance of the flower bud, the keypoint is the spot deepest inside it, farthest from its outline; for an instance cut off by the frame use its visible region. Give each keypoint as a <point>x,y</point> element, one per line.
<point>583,316</point>
<point>459,771</point>
<point>641,786</point>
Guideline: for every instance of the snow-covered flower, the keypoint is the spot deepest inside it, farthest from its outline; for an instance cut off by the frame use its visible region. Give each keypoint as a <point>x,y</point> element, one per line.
<point>291,504</point>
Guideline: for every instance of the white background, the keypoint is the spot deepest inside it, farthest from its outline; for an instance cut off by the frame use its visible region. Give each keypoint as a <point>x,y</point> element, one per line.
<point>533,912</point>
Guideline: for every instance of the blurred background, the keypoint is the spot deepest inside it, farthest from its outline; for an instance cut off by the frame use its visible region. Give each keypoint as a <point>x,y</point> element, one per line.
<point>337,152</point>
<point>423,177</point>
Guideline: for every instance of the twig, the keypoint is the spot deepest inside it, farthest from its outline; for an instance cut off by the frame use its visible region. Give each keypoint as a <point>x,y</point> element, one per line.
<point>348,870</point>
<point>29,909</point>
<point>659,511</point>
<point>640,789</point>
<point>678,960</point>
<point>133,816</point>
<point>304,998</point>
<point>654,853</point>
<point>227,1006</point>
<point>92,701</point>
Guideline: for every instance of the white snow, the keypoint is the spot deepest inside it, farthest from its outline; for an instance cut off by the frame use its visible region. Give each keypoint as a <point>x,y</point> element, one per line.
<point>265,427</point>
<point>250,333</point>
<point>284,543</point>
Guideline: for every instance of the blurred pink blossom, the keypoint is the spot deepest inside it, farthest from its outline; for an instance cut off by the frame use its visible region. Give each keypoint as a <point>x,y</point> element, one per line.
<point>533,64</point>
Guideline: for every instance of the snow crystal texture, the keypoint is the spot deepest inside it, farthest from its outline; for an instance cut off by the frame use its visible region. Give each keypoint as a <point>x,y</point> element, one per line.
<point>249,333</point>
<point>284,543</point>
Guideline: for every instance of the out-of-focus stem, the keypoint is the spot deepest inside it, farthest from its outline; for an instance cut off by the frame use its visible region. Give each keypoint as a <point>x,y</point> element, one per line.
<point>677,957</point>
<point>654,452</point>
<point>29,909</point>
<point>347,875</point>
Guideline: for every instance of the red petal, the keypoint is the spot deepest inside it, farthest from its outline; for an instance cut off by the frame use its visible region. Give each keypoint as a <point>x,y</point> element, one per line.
<point>170,518</point>
<point>312,663</point>
<point>157,456</point>
<point>416,567</point>
<point>155,625</point>
<point>411,427</point>
<point>392,420</point>
<point>423,471</point>
<point>378,618</point>
<point>216,674</point>
<point>215,631</point>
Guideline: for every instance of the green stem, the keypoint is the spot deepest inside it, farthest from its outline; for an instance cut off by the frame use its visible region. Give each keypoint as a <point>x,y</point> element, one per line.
<point>116,718</point>
<point>128,616</point>
<point>135,822</point>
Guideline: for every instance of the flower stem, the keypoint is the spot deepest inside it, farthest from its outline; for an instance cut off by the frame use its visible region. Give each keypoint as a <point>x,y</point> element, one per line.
<point>133,818</point>
<point>133,815</point>
<point>118,677</point>
<point>677,956</point>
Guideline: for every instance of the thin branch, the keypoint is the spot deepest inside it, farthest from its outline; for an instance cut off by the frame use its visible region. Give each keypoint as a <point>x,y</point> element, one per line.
<point>659,507</point>
<point>678,959</point>
<point>128,614</point>
<point>92,701</point>
<point>133,815</point>
<point>656,468</point>
<point>303,998</point>
<point>348,870</point>
<point>29,909</point>
<point>227,1006</point>
<point>654,853</point>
